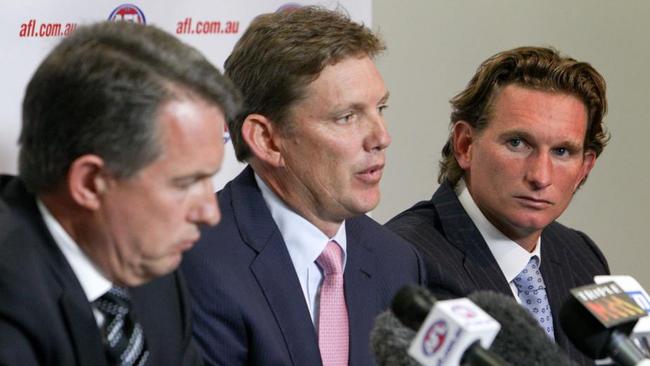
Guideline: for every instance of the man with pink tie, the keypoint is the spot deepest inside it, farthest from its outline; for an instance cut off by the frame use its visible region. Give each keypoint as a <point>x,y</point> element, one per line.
<point>296,272</point>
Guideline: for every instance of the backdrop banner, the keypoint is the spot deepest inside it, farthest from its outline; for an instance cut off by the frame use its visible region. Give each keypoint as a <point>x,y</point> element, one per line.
<point>29,29</point>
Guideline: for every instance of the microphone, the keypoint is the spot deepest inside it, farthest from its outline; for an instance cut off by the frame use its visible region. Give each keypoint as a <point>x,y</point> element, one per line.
<point>598,318</point>
<point>390,339</point>
<point>641,332</point>
<point>454,332</point>
<point>521,340</point>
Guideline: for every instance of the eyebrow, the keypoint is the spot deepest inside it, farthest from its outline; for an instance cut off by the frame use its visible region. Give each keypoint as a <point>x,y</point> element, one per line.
<point>196,176</point>
<point>384,99</point>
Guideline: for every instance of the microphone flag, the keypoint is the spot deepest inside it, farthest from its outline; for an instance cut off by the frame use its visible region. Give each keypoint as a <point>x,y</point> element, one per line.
<point>449,330</point>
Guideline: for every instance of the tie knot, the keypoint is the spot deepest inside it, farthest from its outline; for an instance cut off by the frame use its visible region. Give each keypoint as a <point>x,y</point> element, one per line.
<point>123,337</point>
<point>530,278</point>
<point>330,259</point>
<point>115,301</point>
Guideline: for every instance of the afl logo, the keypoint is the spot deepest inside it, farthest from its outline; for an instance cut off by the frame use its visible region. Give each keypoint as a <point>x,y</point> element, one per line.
<point>434,338</point>
<point>127,13</point>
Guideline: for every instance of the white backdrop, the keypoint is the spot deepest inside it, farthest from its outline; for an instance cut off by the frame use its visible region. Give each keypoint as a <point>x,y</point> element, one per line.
<point>30,28</point>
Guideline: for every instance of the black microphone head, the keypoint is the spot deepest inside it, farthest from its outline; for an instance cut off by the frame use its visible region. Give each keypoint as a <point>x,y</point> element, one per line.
<point>411,305</point>
<point>585,331</point>
<point>521,341</point>
<point>390,341</point>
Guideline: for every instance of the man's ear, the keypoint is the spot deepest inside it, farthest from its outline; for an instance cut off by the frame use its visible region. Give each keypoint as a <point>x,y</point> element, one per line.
<point>462,138</point>
<point>263,138</point>
<point>588,162</point>
<point>87,181</point>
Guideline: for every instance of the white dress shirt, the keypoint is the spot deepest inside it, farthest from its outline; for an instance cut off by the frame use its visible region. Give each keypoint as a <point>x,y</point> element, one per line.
<point>510,256</point>
<point>305,242</point>
<point>93,283</point>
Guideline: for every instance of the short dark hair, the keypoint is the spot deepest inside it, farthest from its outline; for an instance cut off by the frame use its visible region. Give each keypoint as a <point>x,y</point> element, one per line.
<point>99,92</point>
<point>281,53</point>
<point>538,68</point>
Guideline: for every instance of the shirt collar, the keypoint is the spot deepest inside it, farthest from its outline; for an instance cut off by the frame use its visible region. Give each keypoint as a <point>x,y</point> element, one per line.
<point>91,279</point>
<point>510,256</point>
<point>304,241</point>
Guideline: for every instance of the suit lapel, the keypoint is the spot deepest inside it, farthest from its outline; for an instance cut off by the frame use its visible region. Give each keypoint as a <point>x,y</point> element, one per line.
<point>75,309</point>
<point>556,271</point>
<point>360,289</point>
<point>85,337</point>
<point>482,267</point>
<point>274,271</point>
<point>479,263</point>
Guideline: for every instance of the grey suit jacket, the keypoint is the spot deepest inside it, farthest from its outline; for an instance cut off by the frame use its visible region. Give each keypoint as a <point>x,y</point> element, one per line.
<point>459,262</point>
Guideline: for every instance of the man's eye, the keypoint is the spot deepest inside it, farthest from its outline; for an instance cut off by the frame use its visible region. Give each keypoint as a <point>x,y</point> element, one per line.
<point>184,183</point>
<point>346,118</point>
<point>516,142</point>
<point>561,151</point>
<point>382,108</point>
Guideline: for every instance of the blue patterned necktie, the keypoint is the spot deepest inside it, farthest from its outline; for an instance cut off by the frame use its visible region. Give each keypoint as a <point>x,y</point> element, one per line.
<point>532,293</point>
<point>123,337</point>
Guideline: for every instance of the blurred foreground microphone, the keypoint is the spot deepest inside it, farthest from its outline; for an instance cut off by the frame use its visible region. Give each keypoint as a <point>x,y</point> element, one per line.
<point>390,339</point>
<point>454,332</point>
<point>641,332</point>
<point>598,319</point>
<point>521,340</point>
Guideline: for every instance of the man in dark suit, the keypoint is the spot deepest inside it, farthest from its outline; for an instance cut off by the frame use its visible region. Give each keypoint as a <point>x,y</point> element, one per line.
<point>525,133</point>
<point>122,131</point>
<point>296,273</point>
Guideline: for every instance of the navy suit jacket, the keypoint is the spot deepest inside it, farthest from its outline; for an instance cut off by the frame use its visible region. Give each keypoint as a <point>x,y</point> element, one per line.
<point>248,305</point>
<point>45,316</point>
<point>459,262</point>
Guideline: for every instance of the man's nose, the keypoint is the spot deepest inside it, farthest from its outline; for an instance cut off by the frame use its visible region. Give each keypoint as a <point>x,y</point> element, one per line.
<point>206,210</point>
<point>540,169</point>
<point>378,139</point>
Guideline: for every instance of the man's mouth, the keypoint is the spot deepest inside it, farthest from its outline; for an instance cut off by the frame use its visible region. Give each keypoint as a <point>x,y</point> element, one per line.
<point>371,175</point>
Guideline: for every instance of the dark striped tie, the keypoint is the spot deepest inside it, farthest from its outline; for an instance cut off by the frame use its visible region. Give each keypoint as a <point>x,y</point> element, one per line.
<point>123,336</point>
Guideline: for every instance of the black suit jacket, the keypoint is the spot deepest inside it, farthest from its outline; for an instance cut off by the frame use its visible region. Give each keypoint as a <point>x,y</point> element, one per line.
<point>249,308</point>
<point>459,262</point>
<point>45,317</point>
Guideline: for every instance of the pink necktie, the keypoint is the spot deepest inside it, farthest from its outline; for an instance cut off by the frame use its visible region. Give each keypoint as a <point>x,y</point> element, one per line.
<point>333,314</point>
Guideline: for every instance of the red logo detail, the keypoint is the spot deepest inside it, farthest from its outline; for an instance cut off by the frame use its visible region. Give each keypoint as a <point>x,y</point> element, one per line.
<point>288,7</point>
<point>434,338</point>
<point>463,311</point>
<point>127,13</point>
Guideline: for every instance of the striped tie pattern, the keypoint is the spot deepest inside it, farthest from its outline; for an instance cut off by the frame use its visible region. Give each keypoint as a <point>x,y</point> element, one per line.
<point>123,337</point>
<point>333,312</point>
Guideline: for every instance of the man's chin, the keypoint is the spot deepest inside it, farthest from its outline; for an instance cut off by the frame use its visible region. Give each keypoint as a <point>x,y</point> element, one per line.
<point>150,271</point>
<point>170,264</point>
<point>367,203</point>
<point>536,222</point>
<point>133,280</point>
<point>527,226</point>
<point>360,210</point>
